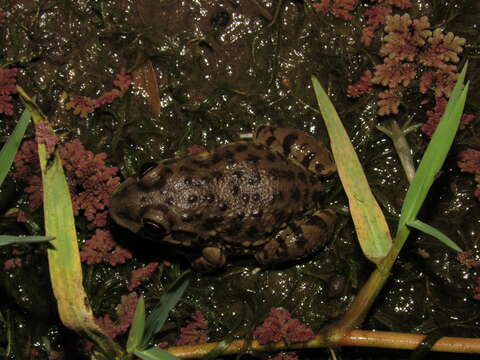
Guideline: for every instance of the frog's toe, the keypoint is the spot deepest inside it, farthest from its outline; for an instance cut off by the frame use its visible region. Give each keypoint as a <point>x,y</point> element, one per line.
<point>299,239</point>
<point>212,258</point>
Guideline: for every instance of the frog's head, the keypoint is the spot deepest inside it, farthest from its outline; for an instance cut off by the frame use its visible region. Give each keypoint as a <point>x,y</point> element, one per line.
<point>133,206</point>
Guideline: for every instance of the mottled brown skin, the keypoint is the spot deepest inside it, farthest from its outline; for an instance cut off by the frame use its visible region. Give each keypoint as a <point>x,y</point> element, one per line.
<point>242,198</point>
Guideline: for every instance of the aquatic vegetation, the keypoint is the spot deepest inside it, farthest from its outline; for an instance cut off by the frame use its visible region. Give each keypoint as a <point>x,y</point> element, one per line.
<point>84,105</point>
<point>469,162</point>
<point>141,275</point>
<point>434,115</point>
<point>90,180</point>
<point>279,325</point>
<point>124,316</point>
<point>8,80</point>
<point>412,53</point>
<point>195,332</point>
<point>341,9</point>
<point>102,248</point>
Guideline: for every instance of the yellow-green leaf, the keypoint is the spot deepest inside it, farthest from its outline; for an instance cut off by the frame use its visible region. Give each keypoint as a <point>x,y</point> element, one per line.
<point>370,224</point>
<point>64,259</point>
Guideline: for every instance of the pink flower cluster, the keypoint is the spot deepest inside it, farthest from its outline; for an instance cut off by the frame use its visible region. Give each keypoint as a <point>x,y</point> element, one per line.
<point>341,9</point>
<point>279,325</point>
<point>195,332</point>
<point>124,312</point>
<point>407,45</point>
<point>96,181</point>
<point>84,105</point>
<point>8,82</point>
<point>45,135</point>
<point>91,182</point>
<point>102,248</point>
<point>140,275</point>
<point>434,115</point>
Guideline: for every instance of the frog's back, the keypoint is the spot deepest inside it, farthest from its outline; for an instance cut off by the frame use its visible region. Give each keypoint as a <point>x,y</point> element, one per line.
<point>238,192</point>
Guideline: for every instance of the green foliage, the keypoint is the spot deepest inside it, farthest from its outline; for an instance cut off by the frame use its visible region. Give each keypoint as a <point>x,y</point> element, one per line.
<point>167,301</point>
<point>435,153</point>
<point>10,239</point>
<point>430,230</point>
<point>138,327</point>
<point>370,224</point>
<point>155,354</point>
<point>9,150</point>
<point>143,331</point>
<point>7,155</point>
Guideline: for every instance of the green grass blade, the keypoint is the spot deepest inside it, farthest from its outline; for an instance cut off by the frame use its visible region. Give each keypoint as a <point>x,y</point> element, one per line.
<point>9,150</point>
<point>11,239</point>
<point>430,230</point>
<point>370,224</point>
<point>435,153</point>
<point>64,264</point>
<point>155,354</point>
<point>167,301</point>
<point>138,326</point>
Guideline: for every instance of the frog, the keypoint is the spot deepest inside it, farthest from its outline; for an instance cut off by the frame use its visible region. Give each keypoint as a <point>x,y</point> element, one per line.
<point>255,197</point>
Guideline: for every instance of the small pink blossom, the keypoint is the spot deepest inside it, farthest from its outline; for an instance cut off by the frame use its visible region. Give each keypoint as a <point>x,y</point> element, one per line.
<point>140,275</point>
<point>195,332</point>
<point>102,248</point>
<point>279,325</point>
<point>12,263</point>
<point>124,314</point>
<point>46,136</point>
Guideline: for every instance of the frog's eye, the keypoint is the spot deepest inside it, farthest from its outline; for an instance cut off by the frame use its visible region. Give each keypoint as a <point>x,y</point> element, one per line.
<point>145,168</point>
<point>151,228</point>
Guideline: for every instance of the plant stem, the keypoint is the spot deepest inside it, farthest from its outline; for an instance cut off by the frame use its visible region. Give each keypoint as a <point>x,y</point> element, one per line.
<point>377,339</point>
<point>368,293</point>
<point>393,131</point>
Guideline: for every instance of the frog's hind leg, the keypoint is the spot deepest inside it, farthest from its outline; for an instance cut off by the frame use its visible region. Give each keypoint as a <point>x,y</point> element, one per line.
<point>299,239</point>
<point>299,147</point>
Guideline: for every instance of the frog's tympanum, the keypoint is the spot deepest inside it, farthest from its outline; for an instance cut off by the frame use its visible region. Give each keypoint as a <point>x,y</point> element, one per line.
<point>254,198</point>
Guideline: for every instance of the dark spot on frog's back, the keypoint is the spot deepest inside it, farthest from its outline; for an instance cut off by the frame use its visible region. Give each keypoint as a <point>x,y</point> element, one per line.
<point>272,157</point>
<point>216,158</point>
<point>186,169</point>
<point>241,148</point>
<point>161,179</point>
<point>295,194</point>
<point>253,158</point>
<point>288,142</point>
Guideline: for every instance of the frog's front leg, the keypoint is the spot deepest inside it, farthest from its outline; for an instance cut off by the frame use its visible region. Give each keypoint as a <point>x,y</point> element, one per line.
<point>299,239</point>
<point>212,258</point>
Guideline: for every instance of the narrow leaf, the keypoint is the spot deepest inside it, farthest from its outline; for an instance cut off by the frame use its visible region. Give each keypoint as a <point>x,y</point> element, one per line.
<point>435,153</point>
<point>430,230</point>
<point>9,150</point>
<point>11,239</point>
<point>138,326</point>
<point>64,259</point>
<point>155,354</point>
<point>370,224</point>
<point>167,301</point>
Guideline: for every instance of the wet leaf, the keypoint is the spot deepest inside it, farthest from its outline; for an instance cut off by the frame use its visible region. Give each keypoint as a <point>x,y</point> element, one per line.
<point>155,354</point>
<point>167,301</point>
<point>11,239</point>
<point>430,230</point>
<point>138,326</point>
<point>145,78</point>
<point>9,150</point>
<point>370,224</point>
<point>435,153</point>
